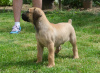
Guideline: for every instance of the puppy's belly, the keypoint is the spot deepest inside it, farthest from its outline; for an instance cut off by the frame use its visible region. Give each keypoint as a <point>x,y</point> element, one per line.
<point>60,41</point>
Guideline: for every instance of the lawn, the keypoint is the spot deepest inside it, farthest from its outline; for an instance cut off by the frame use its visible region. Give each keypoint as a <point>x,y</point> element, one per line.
<point>18,51</point>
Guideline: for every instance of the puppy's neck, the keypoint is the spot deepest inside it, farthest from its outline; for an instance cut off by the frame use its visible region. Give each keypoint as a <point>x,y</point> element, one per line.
<point>42,24</point>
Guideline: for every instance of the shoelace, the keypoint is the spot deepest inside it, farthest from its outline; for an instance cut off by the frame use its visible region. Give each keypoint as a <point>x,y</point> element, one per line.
<point>15,28</point>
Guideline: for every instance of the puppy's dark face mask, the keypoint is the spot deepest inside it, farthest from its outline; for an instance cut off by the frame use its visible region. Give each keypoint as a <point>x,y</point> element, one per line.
<point>32,15</point>
<point>25,16</point>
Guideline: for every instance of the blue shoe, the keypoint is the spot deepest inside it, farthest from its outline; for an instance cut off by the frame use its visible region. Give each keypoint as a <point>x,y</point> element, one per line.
<point>15,30</point>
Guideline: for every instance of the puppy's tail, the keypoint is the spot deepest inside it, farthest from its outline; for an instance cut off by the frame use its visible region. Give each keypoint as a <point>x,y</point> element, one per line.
<point>70,21</point>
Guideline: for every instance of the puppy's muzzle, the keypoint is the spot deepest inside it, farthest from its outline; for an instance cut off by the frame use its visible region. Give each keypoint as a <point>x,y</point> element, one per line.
<point>25,17</point>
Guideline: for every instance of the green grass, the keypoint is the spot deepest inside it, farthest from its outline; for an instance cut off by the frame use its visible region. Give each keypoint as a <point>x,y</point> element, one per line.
<point>18,51</point>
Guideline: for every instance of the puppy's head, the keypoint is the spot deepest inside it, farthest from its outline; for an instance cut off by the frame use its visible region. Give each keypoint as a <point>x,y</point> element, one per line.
<point>32,14</point>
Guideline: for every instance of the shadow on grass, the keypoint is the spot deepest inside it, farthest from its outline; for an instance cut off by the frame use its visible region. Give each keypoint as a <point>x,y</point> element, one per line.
<point>30,63</point>
<point>24,64</point>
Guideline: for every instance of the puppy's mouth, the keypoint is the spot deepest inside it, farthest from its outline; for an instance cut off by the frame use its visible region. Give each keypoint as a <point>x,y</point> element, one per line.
<point>24,17</point>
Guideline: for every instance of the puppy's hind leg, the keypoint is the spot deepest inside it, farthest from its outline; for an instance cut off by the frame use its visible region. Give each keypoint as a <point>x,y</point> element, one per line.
<point>57,49</point>
<point>75,50</point>
<point>40,53</point>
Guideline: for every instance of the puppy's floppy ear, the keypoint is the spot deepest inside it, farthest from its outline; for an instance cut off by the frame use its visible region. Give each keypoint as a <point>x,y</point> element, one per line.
<point>36,14</point>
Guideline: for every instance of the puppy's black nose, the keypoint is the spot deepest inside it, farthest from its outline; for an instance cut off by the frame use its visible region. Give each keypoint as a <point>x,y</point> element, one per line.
<point>25,18</point>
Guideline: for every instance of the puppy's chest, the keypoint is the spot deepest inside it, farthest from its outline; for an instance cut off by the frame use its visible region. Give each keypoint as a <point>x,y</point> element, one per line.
<point>43,39</point>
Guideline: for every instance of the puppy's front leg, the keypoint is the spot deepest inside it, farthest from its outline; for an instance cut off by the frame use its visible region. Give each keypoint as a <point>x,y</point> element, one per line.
<point>51,55</point>
<point>40,53</point>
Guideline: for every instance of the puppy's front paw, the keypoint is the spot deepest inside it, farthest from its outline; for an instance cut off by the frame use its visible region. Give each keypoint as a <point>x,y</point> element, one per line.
<point>51,65</point>
<point>76,57</point>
